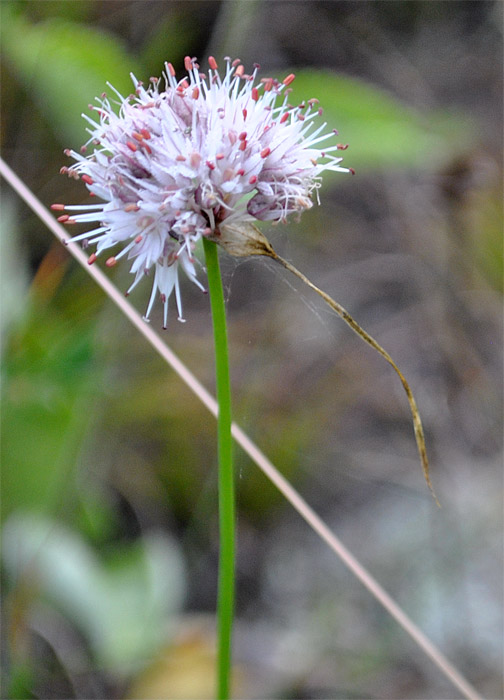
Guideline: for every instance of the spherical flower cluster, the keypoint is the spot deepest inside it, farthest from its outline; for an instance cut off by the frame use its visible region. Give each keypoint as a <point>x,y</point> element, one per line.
<point>175,164</point>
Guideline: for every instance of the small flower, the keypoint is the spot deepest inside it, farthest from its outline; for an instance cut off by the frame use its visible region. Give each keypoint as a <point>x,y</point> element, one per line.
<point>173,165</point>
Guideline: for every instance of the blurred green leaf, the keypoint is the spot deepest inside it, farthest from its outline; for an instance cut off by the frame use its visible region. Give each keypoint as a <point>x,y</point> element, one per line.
<point>50,380</point>
<point>65,65</point>
<point>21,682</point>
<point>42,417</point>
<point>380,130</point>
<point>123,606</point>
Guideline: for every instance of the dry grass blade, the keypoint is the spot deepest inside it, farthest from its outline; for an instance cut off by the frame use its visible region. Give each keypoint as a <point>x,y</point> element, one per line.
<point>246,239</point>
<point>343,313</point>
<point>315,522</point>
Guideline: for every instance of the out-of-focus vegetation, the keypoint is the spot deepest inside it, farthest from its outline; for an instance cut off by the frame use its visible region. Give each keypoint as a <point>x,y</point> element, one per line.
<point>108,466</point>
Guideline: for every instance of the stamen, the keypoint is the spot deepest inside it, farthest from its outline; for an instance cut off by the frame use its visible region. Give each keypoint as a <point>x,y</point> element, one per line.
<point>202,112</point>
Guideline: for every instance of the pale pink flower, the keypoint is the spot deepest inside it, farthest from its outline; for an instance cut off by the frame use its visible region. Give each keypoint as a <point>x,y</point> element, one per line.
<point>172,165</point>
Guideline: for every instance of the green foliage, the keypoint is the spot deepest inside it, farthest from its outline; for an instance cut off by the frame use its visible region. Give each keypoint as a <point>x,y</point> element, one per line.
<point>380,130</point>
<point>47,401</point>
<point>65,65</point>
<point>122,605</point>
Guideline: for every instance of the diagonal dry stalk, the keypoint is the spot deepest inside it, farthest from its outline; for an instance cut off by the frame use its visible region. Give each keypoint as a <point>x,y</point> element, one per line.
<point>288,491</point>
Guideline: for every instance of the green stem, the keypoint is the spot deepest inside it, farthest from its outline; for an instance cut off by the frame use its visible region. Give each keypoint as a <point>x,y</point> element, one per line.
<point>225,602</point>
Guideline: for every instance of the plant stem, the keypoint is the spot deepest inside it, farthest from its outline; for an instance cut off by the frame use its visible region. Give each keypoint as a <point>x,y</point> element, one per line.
<point>225,602</point>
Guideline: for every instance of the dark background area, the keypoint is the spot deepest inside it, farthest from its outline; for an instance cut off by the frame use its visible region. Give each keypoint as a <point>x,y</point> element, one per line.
<point>109,469</point>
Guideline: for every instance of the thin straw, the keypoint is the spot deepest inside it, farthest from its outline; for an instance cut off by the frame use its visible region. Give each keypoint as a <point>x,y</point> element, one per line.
<point>251,449</point>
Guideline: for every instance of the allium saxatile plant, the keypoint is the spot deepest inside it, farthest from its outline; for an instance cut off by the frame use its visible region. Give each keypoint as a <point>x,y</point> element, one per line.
<point>182,159</point>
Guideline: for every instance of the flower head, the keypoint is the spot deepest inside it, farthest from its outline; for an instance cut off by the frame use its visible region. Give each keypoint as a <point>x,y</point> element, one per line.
<point>172,165</point>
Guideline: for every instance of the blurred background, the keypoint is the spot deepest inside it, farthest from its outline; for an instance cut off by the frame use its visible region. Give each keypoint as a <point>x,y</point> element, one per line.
<point>109,495</point>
